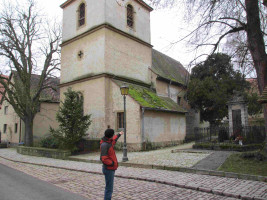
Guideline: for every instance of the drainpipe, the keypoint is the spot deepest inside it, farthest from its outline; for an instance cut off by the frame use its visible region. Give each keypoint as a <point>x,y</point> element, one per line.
<point>19,130</point>
<point>143,129</point>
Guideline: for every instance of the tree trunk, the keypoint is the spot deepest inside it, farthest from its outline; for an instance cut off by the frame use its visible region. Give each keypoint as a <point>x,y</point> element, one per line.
<point>28,131</point>
<point>257,48</point>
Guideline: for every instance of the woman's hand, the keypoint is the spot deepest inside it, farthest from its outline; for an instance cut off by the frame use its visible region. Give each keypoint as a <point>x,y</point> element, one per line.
<point>121,133</point>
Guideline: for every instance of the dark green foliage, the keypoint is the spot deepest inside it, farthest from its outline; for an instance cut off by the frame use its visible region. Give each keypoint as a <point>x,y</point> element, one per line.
<point>73,124</point>
<point>255,136</point>
<point>49,142</point>
<point>257,155</point>
<point>253,105</point>
<point>229,147</point>
<point>223,135</point>
<point>212,84</point>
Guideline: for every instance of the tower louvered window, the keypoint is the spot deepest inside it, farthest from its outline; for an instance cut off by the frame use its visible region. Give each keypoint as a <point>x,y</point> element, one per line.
<point>130,18</point>
<point>82,14</point>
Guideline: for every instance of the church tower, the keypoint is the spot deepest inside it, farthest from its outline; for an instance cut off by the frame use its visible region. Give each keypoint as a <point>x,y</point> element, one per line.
<point>104,40</point>
<point>106,37</point>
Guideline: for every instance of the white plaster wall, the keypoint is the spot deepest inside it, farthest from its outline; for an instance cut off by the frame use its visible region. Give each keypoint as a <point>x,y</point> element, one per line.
<point>133,114</point>
<point>116,15</point>
<point>176,91</point>
<point>126,57</point>
<point>164,127</point>
<point>95,15</point>
<point>92,62</point>
<point>168,90</point>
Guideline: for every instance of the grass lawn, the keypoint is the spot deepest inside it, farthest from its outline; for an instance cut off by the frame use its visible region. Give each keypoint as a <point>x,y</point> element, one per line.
<point>244,166</point>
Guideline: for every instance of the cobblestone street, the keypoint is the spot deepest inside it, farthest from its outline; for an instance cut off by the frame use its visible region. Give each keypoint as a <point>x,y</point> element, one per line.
<point>92,185</point>
<point>133,183</point>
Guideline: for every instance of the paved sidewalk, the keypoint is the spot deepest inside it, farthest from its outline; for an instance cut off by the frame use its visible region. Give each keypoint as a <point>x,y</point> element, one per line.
<point>229,187</point>
<point>160,157</point>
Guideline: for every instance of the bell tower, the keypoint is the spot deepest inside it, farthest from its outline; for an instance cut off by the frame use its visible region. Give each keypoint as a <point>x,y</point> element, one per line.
<point>106,37</point>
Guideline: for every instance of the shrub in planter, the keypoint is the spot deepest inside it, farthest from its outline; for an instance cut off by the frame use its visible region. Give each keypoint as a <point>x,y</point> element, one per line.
<point>49,142</point>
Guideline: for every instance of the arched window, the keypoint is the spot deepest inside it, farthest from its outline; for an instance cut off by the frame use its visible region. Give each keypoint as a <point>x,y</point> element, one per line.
<point>130,17</point>
<point>81,19</point>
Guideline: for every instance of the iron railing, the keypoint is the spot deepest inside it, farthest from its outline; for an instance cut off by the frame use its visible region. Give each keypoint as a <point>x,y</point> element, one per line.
<point>252,134</point>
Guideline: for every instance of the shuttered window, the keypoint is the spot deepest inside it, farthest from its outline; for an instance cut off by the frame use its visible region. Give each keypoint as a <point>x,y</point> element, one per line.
<point>130,18</point>
<point>82,14</point>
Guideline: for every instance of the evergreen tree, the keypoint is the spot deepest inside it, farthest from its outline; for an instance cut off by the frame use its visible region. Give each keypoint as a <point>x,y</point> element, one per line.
<point>212,84</point>
<point>72,121</point>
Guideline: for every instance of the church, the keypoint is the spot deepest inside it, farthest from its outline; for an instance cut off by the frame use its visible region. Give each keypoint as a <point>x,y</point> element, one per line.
<point>107,44</point>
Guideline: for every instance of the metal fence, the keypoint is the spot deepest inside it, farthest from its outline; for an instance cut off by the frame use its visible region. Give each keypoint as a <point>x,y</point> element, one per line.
<point>252,134</point>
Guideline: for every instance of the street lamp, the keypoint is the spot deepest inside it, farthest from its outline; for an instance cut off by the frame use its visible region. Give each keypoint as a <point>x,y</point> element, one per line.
<point>124,91</point>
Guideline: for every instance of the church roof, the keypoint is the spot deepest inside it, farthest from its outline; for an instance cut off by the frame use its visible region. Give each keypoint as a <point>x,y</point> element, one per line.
<point>168,68</point>
<point>147,98</point>
<point>50,94</point>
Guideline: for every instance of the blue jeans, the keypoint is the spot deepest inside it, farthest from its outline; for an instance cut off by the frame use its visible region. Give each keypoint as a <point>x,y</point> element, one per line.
<point>109,178</point>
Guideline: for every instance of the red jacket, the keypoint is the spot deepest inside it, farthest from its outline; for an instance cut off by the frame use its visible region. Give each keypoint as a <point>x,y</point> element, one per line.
<point>108,156</point>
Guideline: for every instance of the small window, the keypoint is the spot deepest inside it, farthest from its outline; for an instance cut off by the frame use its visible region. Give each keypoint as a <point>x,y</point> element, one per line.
<point>130,17</point>
<point>16,127</point>
<point>81,19</point>
<point>5,127</point>
<point>6,110</point>
<point>120,120</point>
<point>179,100</point>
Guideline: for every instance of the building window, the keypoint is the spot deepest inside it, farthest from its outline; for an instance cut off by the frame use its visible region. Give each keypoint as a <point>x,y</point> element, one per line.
<point>16,127</point>
<point>130,17</point>
<point>5,127</point>
<point>81,19</point>
<point>179,100</point>
<point>6,110</point>
<point>120,120</point>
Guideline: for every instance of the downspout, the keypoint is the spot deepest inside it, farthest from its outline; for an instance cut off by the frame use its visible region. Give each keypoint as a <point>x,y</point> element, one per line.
<point>19,130</point>
<point>143,129</point>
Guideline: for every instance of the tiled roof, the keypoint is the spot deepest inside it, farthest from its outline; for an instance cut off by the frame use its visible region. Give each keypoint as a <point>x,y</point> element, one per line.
<point>147,98</point>
<point>2,90</point>
<point>263,97</point>
<point>49,94</point>
<point>168,68</point>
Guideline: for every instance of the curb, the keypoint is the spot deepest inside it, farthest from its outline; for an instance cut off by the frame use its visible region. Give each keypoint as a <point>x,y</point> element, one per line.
<point>188,186</point>
<point>186,170</point>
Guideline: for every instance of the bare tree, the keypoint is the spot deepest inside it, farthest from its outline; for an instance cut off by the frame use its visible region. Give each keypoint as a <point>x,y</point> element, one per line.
<point>219,19</point>
<point>28,46</point>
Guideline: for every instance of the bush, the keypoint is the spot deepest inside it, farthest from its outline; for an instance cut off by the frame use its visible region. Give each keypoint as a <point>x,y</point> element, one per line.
<point>223,135</point>
<point>255,136</point>
<point>49,142</point>
<point>257,155</point>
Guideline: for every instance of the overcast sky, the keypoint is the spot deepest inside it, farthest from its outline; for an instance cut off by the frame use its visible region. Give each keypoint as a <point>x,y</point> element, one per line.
<point>167,26</point>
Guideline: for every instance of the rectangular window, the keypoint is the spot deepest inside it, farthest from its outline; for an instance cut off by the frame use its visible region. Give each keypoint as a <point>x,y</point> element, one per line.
<point>6,110</point>
<point>179,100</point>
<point>5,128</point>
<point>120,120</point>
<point>16,127</point>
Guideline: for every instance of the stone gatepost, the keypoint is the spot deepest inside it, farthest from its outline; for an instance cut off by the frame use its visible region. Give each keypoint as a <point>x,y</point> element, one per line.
<point>238,112</point>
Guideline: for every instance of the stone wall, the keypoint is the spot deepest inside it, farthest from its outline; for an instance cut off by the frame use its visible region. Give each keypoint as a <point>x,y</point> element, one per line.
<point>43,152</point>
